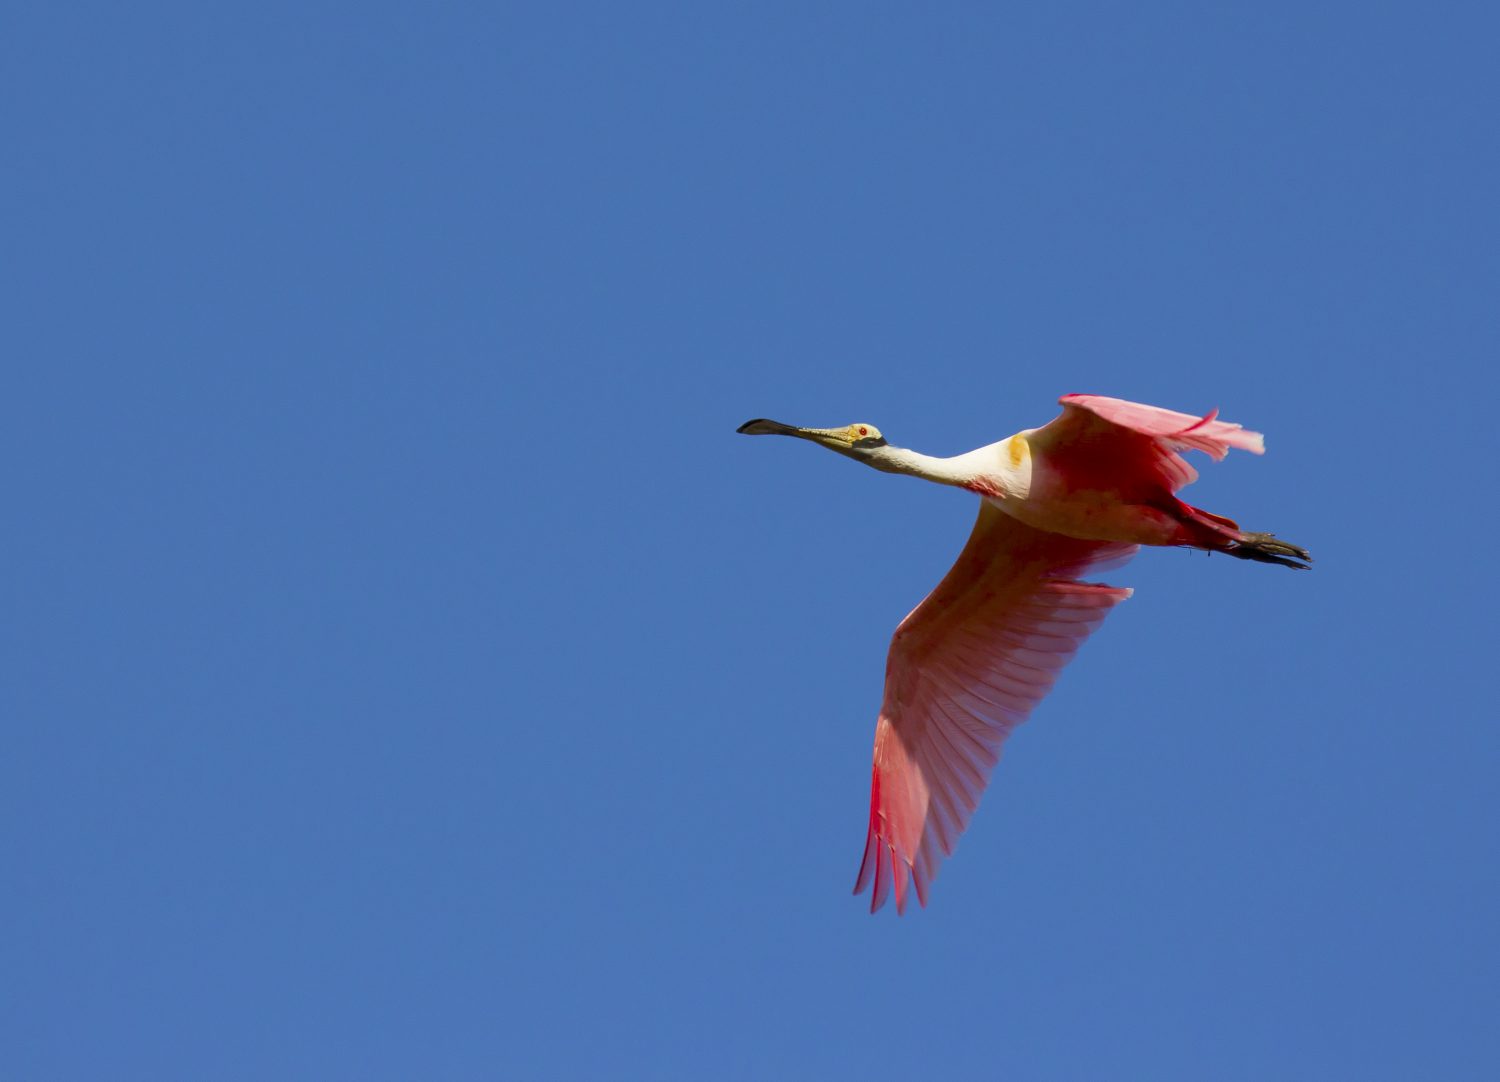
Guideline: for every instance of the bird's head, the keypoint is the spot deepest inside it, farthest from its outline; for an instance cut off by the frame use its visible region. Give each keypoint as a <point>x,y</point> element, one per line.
<point>859,441</point>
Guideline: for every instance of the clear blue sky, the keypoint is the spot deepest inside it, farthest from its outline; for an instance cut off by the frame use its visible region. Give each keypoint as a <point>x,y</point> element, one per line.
<point>408,673</point>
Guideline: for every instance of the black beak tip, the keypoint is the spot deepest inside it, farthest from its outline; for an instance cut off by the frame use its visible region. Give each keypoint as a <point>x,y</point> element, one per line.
<point>753,427</point>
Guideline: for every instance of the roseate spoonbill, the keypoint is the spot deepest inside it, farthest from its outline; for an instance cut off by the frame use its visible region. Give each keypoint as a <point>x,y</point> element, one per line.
<point>970,662</point>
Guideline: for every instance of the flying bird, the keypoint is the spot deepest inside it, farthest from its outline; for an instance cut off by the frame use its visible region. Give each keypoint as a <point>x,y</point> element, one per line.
<point>970,662</point>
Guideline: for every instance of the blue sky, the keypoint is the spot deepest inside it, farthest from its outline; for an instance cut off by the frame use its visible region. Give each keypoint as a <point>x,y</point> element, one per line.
<point>408,673</point>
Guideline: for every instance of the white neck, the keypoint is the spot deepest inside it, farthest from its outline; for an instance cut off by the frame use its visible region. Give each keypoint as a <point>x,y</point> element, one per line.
<point>961,470</point>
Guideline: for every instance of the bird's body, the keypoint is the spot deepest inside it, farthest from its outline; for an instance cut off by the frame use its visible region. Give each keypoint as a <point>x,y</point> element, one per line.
<point>969,663</point>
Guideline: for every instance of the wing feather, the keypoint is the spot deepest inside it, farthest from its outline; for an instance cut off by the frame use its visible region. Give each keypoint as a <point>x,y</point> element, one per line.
<point>965,668</point>
<point>1178,430</point>
<point>1134,440</point>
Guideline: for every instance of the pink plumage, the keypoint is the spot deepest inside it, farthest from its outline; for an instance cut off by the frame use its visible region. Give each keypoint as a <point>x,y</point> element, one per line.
<point>1177,430</point>
<point>965,668</point>
<point>972,660</point>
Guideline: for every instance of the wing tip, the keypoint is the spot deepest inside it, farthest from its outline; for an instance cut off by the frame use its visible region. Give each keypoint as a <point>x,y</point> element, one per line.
<point>887,872</point>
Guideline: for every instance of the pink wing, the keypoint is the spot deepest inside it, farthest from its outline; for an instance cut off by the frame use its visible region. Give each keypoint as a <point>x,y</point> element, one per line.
<point>965,668</point>
<point>1113,429</point>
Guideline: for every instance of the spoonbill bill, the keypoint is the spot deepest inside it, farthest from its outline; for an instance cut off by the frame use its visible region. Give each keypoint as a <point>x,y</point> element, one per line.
<point>970,662</point>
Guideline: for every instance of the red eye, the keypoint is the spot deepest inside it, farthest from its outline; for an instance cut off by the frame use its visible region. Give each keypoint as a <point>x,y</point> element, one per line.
<point>863,431</point>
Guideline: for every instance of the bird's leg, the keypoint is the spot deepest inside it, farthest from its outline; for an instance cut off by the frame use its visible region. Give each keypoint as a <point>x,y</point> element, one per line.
<point>1268,549</point>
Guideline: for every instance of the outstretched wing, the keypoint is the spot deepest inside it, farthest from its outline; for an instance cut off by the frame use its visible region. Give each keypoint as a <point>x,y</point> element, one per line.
<point>965,668</point>
<point>1137,436</point>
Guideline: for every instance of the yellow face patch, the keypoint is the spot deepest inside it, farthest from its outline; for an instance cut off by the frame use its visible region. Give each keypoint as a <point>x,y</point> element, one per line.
<point>1018,450</point>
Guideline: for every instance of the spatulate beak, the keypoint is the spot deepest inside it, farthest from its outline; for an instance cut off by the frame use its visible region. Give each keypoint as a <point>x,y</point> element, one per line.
<point>763,427</point>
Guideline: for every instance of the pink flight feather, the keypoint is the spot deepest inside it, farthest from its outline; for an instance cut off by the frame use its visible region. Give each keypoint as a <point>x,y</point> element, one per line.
<point>972,660</point>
